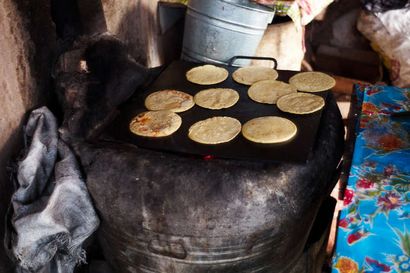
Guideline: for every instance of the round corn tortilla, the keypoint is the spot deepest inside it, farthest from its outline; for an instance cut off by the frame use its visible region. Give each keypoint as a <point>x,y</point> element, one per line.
<point>300,103</point>
<point>155,123</point>
<point>312,81</point>
<point>172,100</point>
<point>269,91</point>
<point>269,129</point>
<point>216,98</point>
<point>207,74</point>
<point>251,74</point>
<point>215,130</point>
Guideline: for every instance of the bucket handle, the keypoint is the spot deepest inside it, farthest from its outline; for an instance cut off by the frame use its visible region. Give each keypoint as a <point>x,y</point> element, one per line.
<point>233,59</point>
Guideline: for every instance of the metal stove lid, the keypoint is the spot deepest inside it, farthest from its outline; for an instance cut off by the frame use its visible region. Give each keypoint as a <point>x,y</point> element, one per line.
<point>296,150</point>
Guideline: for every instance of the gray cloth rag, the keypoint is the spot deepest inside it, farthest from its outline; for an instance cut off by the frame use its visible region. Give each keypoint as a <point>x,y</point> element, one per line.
<point>53,212</point>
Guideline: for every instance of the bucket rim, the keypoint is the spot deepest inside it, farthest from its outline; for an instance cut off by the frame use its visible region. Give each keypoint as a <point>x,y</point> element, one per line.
<point>251,6</point>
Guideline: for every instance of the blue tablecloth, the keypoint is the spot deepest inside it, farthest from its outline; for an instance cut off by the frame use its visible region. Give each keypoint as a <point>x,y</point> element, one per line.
<point>374,224</point>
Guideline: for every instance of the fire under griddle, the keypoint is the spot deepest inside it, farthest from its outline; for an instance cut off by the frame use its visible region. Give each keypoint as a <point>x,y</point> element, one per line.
<point>173,77</point>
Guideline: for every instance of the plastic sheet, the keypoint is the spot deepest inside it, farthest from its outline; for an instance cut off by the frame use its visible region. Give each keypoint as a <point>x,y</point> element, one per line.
<point>384,5</point>
<point>389,35</point>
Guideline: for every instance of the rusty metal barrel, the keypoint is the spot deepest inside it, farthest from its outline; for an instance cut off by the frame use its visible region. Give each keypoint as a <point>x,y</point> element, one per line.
<point>168,213</point>
<point>217,30</point>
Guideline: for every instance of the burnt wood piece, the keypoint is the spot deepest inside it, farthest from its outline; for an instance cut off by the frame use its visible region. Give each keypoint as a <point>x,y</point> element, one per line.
<point>89,100</point>
<point>65,15</point>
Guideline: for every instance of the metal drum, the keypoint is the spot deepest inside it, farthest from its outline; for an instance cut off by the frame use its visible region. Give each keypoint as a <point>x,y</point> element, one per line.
<point>217,30</point>
<point>168,213</point>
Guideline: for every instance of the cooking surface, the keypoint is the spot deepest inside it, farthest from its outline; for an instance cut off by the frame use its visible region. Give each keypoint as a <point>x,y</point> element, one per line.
<point>173,77</point>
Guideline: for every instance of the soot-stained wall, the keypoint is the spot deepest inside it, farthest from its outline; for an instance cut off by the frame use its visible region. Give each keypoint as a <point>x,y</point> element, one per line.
<point>27,43</point>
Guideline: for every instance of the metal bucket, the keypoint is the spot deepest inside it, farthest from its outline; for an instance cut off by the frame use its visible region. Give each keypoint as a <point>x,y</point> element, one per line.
<point>217,30</point>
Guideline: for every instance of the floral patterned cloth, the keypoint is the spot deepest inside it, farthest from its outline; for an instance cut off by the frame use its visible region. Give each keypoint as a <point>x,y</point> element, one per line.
<point>374,224</point>
<point>302,12</point>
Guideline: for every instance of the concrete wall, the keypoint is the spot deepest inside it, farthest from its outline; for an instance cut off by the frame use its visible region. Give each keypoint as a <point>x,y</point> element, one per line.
<point>27,41</point>
<point>135,22</point>
<point>27,49</point>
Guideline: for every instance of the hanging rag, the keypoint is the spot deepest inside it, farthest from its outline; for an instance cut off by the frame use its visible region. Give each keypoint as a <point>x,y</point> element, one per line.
<point>52,210</point>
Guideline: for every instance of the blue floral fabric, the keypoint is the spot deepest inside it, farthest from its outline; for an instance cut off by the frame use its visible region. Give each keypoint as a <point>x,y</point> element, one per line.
<point>373,232</point>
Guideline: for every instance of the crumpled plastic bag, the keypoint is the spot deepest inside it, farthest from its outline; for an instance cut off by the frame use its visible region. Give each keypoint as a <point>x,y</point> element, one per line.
<point>53,214</point>
<point>384,5</point>
<point>389,34</point>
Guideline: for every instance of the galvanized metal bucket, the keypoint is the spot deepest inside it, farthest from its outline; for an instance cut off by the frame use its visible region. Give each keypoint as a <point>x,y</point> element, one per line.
<point>217,30</point>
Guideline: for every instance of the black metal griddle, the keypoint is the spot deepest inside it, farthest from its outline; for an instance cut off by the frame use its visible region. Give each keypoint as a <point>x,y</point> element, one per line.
<point>173,77</point>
